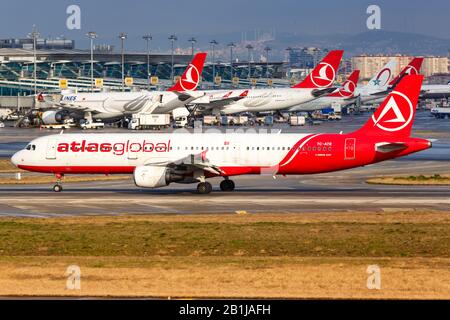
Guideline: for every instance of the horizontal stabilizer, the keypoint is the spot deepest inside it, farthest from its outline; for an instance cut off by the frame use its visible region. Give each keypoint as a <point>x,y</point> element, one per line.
<point>385,147</point>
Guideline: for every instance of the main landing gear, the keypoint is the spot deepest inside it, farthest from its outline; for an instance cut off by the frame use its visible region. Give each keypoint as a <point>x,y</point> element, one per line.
<point>227,185</point>
<point>206,187</point>
<point>58,186</point>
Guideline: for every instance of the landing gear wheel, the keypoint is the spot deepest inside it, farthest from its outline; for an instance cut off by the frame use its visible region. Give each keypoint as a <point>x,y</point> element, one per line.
<point>227,185</point>
<point>57,188</point>
<point>204,188</point>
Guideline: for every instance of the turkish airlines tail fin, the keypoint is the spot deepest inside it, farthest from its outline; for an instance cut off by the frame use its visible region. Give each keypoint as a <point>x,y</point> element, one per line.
<point>381,80</point>
<point>412,68</point>
<point>348,87</point>
<point>395,116</point>
<point>322,76</point>
<point>191,77</point>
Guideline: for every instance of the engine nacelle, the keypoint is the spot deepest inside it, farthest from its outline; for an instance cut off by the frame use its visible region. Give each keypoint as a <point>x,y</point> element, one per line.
<point>154,176</point>
<point>55,116</point>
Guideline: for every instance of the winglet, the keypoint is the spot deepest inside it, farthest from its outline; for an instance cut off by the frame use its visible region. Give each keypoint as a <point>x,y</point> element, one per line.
<point>244,94</point>
<point>322,76</point>
<point>191,77</point>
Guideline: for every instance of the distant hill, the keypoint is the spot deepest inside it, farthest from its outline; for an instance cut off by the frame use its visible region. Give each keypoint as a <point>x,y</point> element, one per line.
<point>370,42</point>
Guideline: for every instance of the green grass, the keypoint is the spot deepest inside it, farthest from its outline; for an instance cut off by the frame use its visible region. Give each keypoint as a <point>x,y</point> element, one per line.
<point>253,239</point>
<point>423,178</point>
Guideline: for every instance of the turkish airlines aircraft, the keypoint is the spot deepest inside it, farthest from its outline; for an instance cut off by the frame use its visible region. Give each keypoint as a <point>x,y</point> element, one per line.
<point>156,160</point>
<point>110,105</point>
<point>342,96</point>
<point>318,83</point>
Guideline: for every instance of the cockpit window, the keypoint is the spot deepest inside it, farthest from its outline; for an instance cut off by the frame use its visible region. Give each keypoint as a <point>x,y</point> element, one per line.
<point>31,147</point>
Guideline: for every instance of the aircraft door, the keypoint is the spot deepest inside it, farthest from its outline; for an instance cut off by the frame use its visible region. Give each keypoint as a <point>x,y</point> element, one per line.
<point>349,152</point>
<point>51,149</point>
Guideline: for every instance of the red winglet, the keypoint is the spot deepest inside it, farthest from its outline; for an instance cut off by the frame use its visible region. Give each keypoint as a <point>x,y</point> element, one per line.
<point>228,94</point>
<point>244,94</point>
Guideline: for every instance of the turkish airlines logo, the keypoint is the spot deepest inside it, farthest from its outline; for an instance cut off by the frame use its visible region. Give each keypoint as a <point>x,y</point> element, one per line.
<point>411,70</point>
<point>190,79</point>
<point>382,77</point>
<point>348,88</point>
<point>323,76</point>
<point>396,114</point>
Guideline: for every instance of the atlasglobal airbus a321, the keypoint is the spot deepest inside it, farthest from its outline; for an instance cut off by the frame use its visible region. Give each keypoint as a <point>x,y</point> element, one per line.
<point>156,160</point>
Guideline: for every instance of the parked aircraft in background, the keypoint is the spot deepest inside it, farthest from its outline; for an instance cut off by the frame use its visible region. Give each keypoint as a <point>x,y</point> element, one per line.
<point>341,95</point>
<point>156,160</point>
<point>317,84</point>
<point>112,105</point>
<point>378,86</point>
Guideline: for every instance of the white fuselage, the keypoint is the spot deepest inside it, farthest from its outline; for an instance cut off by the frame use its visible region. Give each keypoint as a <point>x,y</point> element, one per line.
<point>125,103</point>
<point>260,100</point>
<point>319,104</point>
<point>131,150</point>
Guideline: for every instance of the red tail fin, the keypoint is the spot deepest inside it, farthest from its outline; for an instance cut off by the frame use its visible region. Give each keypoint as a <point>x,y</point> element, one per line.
<point>395,115</point>
<point>348,87</point>
<point>192,75</point>
<point>412,68</point>
<point>324,73</point>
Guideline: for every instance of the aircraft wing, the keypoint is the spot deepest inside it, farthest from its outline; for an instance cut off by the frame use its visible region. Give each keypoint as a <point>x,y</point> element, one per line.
<point>189,163</point>
<point>211,102</point>
<point>317,93</point>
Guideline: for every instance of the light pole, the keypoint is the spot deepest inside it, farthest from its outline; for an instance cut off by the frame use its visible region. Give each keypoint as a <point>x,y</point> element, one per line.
<point>289,50</point>
<point>250,48</point>
<point>34,35</point>
<point>172,39</point>
<point>192,41</point>
<point>92,35</point>
<point>232,46</point>
<point>213,44</point>
<point>147,38</point>
<point>267,49</point>
<point>122,37</point>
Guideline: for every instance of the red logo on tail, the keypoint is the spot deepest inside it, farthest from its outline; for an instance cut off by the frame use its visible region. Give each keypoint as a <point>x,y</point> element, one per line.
<point>190,79</point>
<point>323,75</point>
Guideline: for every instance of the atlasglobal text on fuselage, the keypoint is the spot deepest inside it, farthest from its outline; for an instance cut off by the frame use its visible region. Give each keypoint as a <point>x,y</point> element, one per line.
<point>157,160</point>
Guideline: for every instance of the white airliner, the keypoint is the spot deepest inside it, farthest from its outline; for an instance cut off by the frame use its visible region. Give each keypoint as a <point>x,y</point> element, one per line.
<point>317,84</point>
<point>156,160</point>
<point>342,96</point>
<point>377,87</point>
<point>112,105</point>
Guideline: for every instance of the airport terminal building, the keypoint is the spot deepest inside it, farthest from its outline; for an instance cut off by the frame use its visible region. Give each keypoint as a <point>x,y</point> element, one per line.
<point>17,69</point>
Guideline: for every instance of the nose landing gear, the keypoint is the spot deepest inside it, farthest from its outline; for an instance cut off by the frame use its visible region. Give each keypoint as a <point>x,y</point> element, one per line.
<point>204,187</point>
<point>58,186</point>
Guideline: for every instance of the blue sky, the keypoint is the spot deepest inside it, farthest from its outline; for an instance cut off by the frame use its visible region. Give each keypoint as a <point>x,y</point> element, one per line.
<point>211,17</point>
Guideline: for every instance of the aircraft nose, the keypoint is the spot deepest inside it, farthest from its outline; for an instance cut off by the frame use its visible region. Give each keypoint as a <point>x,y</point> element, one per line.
<point>15,159</point>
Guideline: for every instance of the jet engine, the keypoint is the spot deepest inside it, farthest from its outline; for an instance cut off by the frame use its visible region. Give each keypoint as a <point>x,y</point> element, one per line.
<point>154,176</point>
<point>55,116</point>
